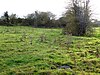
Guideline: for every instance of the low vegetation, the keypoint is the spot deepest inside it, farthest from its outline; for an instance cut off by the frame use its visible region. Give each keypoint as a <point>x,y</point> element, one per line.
<point>39,51</point>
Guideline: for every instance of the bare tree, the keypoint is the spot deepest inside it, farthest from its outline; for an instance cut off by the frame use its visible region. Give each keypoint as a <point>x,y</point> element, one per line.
<point>78,17</point>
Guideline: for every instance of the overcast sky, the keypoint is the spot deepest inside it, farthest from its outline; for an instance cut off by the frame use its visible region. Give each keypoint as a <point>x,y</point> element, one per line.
<point>24,7</point>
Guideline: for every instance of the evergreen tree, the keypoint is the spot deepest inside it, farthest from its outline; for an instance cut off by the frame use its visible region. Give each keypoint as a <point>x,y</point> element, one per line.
<point>6,16</point>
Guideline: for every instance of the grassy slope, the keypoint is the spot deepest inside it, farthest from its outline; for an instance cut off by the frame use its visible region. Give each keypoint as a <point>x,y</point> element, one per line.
<point>26,50</point>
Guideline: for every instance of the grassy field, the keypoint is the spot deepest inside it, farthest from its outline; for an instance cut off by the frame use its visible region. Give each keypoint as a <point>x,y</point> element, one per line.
<point>38,51</point>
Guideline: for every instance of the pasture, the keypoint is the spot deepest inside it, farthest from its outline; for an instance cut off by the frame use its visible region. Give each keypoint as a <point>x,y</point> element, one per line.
<point>39,51</point>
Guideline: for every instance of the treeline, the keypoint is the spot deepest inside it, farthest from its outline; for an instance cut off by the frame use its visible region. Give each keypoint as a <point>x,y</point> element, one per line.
<point>36,19</point>
<point>76,20</point>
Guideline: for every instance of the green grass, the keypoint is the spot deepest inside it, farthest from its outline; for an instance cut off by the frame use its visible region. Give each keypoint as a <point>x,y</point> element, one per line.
<point>38,51</point>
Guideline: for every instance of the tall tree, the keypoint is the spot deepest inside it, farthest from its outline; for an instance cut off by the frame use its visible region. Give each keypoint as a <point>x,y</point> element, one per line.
<point>78,17</point>
<point>6,16</point>
<point>40,19</point>
<point>13,18</point>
